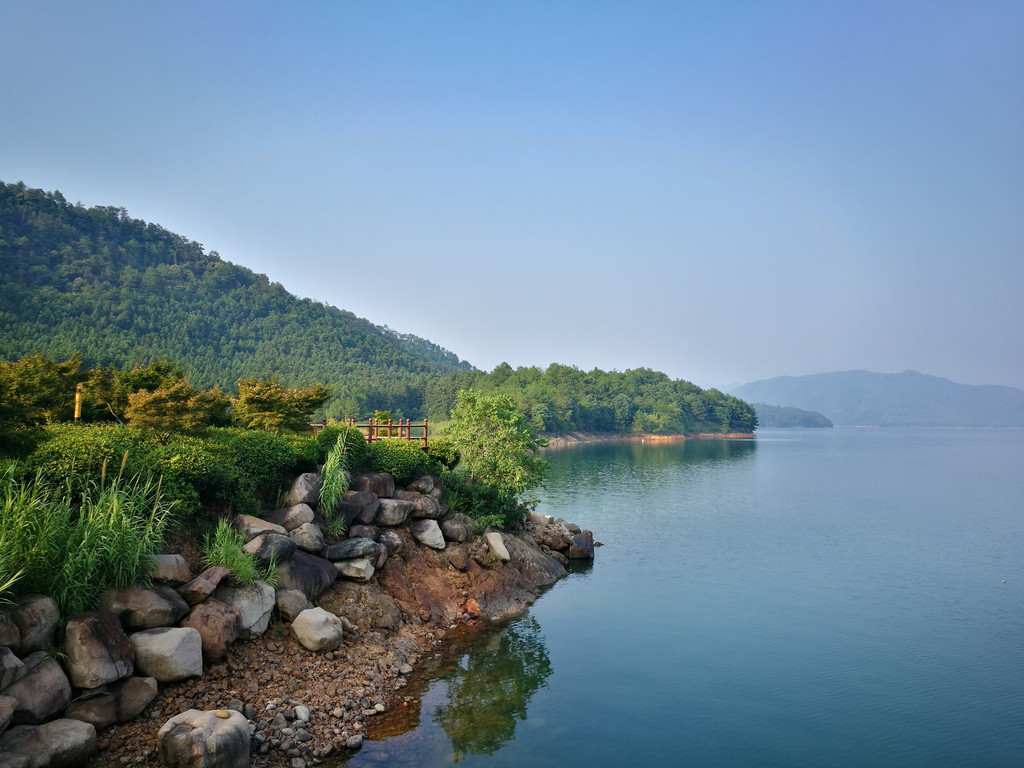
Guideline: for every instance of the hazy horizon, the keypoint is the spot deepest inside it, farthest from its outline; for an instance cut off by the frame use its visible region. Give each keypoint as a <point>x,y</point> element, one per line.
<point>725,192</point>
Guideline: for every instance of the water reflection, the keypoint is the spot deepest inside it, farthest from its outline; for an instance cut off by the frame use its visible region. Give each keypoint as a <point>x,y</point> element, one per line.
<point>490,688</point>
<point>470,702</point>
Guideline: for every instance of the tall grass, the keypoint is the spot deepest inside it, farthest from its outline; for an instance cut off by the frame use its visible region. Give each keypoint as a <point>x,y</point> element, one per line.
<point>336,481</point>
<point>73,548</point>
<point>224,548</point>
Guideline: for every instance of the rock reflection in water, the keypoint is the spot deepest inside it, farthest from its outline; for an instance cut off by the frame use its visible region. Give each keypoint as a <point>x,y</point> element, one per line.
<point>470,704</point>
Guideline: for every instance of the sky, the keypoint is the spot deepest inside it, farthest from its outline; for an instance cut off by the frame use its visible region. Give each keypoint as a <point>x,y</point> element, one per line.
<point>724,191</point>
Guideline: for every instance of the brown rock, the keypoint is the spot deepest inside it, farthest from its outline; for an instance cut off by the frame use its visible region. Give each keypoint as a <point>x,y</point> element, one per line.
<point>218,625</point>
<point>98,651</point>
<point>203,585</point>
<point>139,608</point>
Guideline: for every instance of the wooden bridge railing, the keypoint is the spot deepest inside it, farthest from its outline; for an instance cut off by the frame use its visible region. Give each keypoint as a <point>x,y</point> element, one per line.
<point>380,430</point>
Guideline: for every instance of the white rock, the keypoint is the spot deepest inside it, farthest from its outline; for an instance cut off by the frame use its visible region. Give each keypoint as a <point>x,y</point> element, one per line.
<point>318,630</point>
<point>496,544</point>
<point>428,532</point>
<point>168,653</point>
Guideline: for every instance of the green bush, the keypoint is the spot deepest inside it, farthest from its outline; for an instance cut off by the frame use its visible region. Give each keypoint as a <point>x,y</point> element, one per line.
<point>73,547</point>
<point>263,460</point>
<point>356,449</point>
<point>404,459</point>
<point>487,503</point>
<point>197,472</point>
<point>443,452</point>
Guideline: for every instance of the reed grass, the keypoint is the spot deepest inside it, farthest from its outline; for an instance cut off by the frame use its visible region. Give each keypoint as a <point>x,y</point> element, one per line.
<point>224,547</point>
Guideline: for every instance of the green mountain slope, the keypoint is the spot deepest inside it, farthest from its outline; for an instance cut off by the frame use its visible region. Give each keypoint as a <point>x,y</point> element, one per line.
<point>861,398</point>
<point>781,416</point>
<point>123,291</point>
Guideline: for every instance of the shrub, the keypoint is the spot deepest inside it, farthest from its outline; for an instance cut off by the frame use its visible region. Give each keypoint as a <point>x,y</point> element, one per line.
<point>443,452</point>
<point>404,459</point>
<point>262,460</point>
<point>72,548</point>
<point>195,472</point>
<point>488,503</point>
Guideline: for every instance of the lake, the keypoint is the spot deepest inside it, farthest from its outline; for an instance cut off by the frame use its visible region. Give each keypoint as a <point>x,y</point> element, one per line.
<point>843,597</point>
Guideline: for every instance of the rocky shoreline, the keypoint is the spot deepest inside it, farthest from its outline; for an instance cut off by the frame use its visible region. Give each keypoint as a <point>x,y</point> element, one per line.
<point>300,707</point>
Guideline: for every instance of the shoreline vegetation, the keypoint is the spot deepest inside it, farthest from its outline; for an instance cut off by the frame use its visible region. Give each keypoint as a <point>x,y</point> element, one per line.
<point>578,438</point>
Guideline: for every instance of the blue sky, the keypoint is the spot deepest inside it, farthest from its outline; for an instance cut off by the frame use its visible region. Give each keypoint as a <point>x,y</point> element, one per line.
<point>725,191</point>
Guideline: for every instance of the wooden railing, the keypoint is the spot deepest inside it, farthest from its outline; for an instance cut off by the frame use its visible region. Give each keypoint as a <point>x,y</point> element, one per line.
<point>380,430</point>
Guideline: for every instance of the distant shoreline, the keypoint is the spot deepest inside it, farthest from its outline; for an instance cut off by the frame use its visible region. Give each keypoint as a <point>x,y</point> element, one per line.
<point>580,438</point>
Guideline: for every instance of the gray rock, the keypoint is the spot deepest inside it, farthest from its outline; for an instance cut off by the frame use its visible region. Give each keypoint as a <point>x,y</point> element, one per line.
<point>428,532</point>
<point>36,618</point>
<point>458,528</point>
<point>318,630</point>
<point>359,506</point>
<point>393,512</point>
<point>292,517</point>
<point>271,545</point>
<point>97,650</point>
<point>538,567</point>
<point>7,706</point>
<point>497,546</point>
<point>364,532</point>
<point>423,506</point>
<point>11,668</point>
<point>168,653</point>
<point>10,635</point>
<point>308,537</point>
<point>380,556</point>
<point>582,546</point>
<point>425,484</point>
<point>218,625</point>
<point>255,602</point>
<point>196,739</point>
<point>291,602</point>
<point>139,608</point>
<point>204,585</point>
<point>359,569</point>
<point>62,743</point>
<point>250,527</point>
<point>380,483</point>
<point>306,489</point>
<point>42,692</point>
<point>307,573</point>
<point>391,540</point>
<point>171,568</point>
<point>350,548</point>
<point>122,702</point>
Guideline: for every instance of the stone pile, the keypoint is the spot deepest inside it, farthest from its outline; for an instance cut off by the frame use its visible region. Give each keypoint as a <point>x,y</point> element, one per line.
<point>114,660</point>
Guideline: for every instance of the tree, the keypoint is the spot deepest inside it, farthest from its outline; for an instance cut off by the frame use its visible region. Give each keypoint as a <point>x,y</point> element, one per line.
<point>496,442</point>
<point>178,407</point>
<point>265,404</point>
<point>35,390</point>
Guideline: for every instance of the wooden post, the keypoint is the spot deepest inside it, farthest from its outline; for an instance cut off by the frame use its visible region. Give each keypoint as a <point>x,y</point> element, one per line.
<point>424,434</point>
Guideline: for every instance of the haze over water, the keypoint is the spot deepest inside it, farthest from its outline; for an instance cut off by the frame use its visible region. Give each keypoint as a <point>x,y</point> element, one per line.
<point>831,597</point>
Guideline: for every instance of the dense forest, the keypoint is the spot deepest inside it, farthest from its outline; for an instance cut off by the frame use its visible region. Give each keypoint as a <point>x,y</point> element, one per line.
<point>121,291</point>
<point>562,399</point>
<point>785,417</point>
<point>116,291</point>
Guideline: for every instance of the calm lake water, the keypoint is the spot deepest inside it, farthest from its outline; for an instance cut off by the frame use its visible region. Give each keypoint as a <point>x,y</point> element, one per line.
<point>834,597</point>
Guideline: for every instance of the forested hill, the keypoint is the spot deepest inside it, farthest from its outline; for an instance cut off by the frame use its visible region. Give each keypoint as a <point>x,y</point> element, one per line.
<point>123,291</point>
<point>561,399</point>
<point>910,399</point>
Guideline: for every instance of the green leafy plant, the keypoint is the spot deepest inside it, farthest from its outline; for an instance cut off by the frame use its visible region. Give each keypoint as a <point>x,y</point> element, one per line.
<point>336,478</point>
<point>224,548</point>
<point>443,452</point>
<point>404,459</point>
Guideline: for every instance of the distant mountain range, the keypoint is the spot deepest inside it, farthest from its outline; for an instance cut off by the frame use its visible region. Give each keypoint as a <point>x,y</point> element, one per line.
<point>908,399</point>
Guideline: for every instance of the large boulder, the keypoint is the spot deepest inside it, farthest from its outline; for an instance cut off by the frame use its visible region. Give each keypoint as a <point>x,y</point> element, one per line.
<point>350,548</point>
<point>7,706</point>
<point>425,484</point>
<point>97,649</point>
<point>318,630</point>
<point>206,583</point>
<point>10,635</point>
<point>250,527</point>
<point>62,743</point>
<point>359,506</point>
<point>139,608</point>
<point>582,546</point>
<point>169,653</point>
<point>218,625</point>
<point>422,504</point>
<point>122,702</point>
<point>269,546</point>
<point>308,537</point>
<point>255,603</point>
<point>196,739</point>
<point>496,544</point>
<point>291,517</point>
<point>306,489</point>
<point>428,532</point>
<point>391,541</point>
<point>171,568</point>
<point>539,568</point>
<point>36,618</point>
<point>380,483</point>
<point>291,602</point>
<point>393,512</point>
<point>458,528</point>
<point>364,532</point>
<point>307,573</point>
<point>42,692</point>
